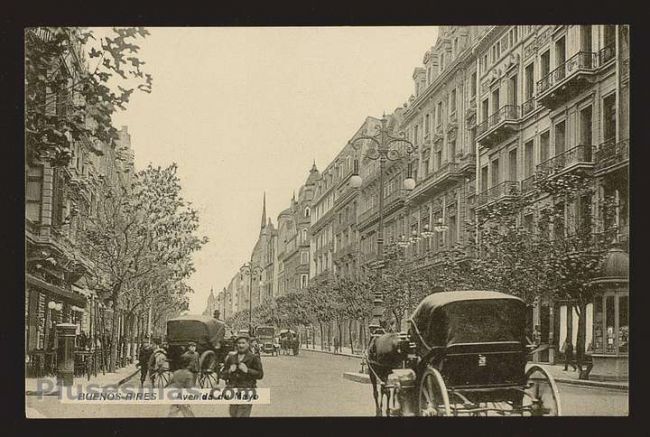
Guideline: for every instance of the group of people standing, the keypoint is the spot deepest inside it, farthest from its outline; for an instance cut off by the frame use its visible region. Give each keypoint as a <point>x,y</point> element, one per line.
<point>242,369</point>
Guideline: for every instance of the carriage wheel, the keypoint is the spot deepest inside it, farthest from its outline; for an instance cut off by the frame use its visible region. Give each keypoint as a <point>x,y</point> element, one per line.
<point>161,379</point>
<point>542,397</point>
<point>208,370</point>
<point>433,399</point>
<point>208,379</point>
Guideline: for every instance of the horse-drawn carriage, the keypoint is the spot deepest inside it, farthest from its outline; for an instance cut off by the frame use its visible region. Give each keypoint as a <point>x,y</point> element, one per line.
<point>289,342</point>
<point>213,342</point>
<point>266,338</point>
<point>465,354</point>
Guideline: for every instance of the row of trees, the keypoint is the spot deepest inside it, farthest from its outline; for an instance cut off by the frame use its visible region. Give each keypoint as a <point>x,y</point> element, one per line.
<point>557,259</point>
<point>138,233</point>
<point>141,240</point>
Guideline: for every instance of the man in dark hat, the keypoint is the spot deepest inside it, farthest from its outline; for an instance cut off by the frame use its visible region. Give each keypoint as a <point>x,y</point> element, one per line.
<point>146,350</point>
<point>242,369</point>
<point>192,356</point>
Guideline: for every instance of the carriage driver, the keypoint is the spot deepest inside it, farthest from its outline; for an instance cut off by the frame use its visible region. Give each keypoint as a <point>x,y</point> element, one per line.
<point>242,369</point>
<point>192,356</point>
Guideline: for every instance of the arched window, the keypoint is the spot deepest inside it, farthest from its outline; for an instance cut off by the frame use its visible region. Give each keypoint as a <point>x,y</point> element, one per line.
<point>304,235</point>
<point>307,211</point>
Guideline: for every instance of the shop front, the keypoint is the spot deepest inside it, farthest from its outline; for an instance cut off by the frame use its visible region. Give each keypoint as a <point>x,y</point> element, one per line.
<point>611,318</point>
<point>47,305</point>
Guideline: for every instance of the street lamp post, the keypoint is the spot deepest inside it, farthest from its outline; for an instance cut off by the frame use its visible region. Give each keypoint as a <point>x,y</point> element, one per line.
<point>251,270</point>
<point>384,147</point>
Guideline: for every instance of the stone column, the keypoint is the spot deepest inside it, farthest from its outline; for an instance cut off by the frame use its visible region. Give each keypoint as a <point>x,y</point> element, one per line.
<point>66,333</point>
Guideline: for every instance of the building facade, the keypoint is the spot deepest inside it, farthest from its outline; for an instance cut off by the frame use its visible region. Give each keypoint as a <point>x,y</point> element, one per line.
<point>552,101</point>
<point>56,202</point>
<point>497,111</point>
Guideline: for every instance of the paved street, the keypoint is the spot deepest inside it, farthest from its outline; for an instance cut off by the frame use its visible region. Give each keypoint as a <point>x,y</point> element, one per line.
<point>311,384</point>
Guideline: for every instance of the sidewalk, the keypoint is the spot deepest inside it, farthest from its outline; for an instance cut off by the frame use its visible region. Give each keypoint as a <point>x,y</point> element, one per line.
<point>48,385</point>
<point>557,371</point>
<point>345,351</point>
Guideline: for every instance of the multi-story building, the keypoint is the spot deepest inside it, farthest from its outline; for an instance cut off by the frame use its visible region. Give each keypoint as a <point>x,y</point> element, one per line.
<point>294,237</point>
<point>263,257</point>
<point>57,199</point>
<point>496,111</point>
<point>440,120</point>
<point>335,236</point>
<point>553,101</point>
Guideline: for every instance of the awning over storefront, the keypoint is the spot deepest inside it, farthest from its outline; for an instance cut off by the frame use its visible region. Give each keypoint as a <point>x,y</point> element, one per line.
<point>69,296</point>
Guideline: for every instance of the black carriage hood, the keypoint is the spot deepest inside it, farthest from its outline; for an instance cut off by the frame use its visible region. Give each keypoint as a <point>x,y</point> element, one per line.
<point>447,318</point>
<point>204,330</point>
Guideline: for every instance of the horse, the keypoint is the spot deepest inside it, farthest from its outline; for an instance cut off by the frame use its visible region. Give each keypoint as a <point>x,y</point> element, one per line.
<point>382,357</point>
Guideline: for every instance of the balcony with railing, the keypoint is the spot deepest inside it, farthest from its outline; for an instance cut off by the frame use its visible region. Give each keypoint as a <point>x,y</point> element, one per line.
<point>348,250</point>
<point>606,54</point>
<point>612,155</point>
<point>579,157</point>
<point>467,162</point>
<point>528,185</point>
<point>391,202</point>
<point>528,106</point>
<point>503,191</point>
<point>447,174</point>
<point>612,235</point>
<point>567,80</point>
<point>498,126</point>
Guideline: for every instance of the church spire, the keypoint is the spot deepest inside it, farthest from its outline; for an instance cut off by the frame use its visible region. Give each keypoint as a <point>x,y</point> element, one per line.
<point>264,211</point>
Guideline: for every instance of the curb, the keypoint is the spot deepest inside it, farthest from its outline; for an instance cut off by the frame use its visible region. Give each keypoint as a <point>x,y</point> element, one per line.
<point>340,354</point>
<point>594,384</point>
<point>357,377</point>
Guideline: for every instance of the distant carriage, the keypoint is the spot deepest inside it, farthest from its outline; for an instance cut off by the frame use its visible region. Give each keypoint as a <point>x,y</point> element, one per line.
<point>464,354</point>
<point>213,342</point>
<point>267,341</point>
<point>289,342</point>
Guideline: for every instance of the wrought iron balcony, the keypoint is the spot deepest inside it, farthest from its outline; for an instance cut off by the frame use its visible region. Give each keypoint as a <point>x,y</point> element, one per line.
<point>528,185</point>
<point>575,158</point>
<point>446,174</point>
<point>612,155</point>
<point>567,80</point>
<point>620,235</point>
<point>467,162</point>
<point>528,106</point>
<point>349,250</point>
<point>393,200</point>
<point>504,190</point>
<point>498,126</point>
<point>606,54</point>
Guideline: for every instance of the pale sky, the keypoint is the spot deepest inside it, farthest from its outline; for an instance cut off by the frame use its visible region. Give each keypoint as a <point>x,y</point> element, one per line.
<point>247,110</point>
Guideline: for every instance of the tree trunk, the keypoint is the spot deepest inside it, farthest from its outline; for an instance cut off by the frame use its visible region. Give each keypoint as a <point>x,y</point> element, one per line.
<point>581,309</point>
<point>350,335</point>
<point>322,344</point>
<point>115,331</point>
<point>132,327</point>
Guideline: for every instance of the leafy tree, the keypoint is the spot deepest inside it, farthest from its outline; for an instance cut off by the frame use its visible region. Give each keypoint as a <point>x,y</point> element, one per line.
<point>66,99</point>
<point>136,235</point>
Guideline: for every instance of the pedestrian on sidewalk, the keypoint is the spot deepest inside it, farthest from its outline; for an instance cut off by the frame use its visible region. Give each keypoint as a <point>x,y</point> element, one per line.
<point>336,345</point>
<point>158,362</point>
<point>568,355</point>
<point>182,378</point>
<point>242,369</point>
<point>146,350</point>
